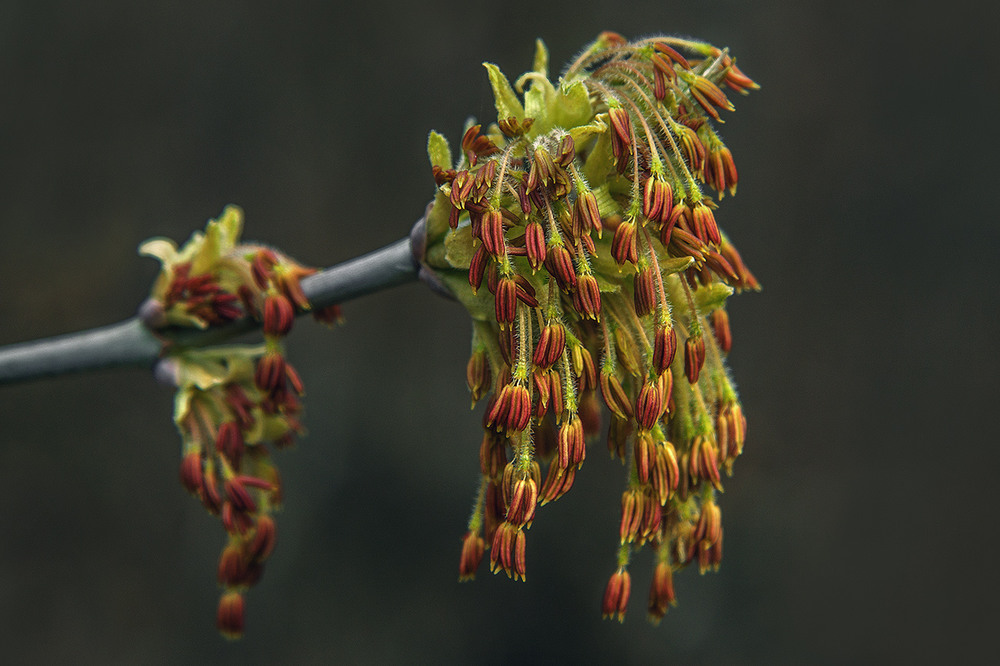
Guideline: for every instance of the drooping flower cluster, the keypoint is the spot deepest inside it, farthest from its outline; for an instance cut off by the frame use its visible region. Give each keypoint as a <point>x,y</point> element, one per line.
<point>231,401</point>
<point>579,233</point>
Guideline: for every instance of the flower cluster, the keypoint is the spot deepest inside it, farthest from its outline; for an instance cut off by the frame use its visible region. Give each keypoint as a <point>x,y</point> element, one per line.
<point>231,401</point>
<point>580,233</point>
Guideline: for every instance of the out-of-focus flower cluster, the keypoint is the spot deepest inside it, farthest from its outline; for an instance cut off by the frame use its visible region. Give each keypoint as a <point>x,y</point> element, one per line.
<point>231,401</point>
<point>579,232</point>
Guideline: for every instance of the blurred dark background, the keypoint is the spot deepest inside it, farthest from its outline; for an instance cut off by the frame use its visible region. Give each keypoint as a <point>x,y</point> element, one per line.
<point>861,521</point>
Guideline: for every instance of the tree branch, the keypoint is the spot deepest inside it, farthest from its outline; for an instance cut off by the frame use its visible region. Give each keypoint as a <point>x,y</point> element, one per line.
<point>129,343</point>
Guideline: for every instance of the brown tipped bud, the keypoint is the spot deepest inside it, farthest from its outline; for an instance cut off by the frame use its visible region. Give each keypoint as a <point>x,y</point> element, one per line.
<point>694,357</point>
<point>664,348</point>
<point>477,374</point>
<point>279,315</point>
<point>559,264</point>
<point>551,343</point>
<point>473,548</point>
<point>648,405</point>
<point>505,300</point>
<point>661,592</point>
<point>190,473</point>
<point>616,595</point>
<point>623,247</point>
<point>720,326</point>
<point>587,298</point>
<point>614,396</point>
<point>230,615</point>
<point>644,292</point>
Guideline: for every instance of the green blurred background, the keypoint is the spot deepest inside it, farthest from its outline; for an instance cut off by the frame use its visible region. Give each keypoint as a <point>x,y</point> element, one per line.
<point>860,523</point>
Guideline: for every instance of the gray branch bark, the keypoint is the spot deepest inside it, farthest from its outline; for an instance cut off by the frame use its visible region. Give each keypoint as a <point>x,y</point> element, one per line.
<point>129,343</point>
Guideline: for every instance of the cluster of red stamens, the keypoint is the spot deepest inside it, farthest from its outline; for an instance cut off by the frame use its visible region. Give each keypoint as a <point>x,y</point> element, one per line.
<point>596,241</point>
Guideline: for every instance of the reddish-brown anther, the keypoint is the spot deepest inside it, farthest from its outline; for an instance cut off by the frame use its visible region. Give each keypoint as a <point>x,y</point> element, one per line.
<point>614,395</point>
<point>671,53</point>
<point>505,300</point>
<point>644,291</point>
<point>512,409</point>
<point>746,278</point>
<point>279,315</point>
<point>525,292</point>
<point>694,149</point>
<point>632,509</point>
<point>264,260</point>
<point>269,376</point>
<point>665,383</point>
<point>704,462</point>
<point>649,405</point>
<point>587,297</point>
<point>694,357</point>
<point>556,403</point>
<point>477,374</point>
<point>618,433</point>
<point>507,552</point>
<point>229,618</point>
<point>551,343</point>
<point>534,243</point>
<point>665,475</point>
<point>523,499</point>
<point>657,200</point>
<point>663,69</point>
<point>733,423</point>
<point>623,246</point>
<point>233,565</point>
<point>704,224</point>
<point>491,232</point>
<point>262,544</point>
<point>209,493</point>
<point>477,145</point>
<point>540,380</point>
<point>559,264</point>
<point>492,454</point>
<point>720,170</point>
<point>708,95</point>
<point>583,365</point>
<point>240,497</point>
<point>616,595</point>
<point>461,190</point>
<point>644,451</point>
<point>621,137</point>
<point>229,442</point>
<point>190,472</point>
<point>477,267</point>
<point>572,449</point>
<point>661,591</point>
<point>473,548</point>
<point>720,327</point>
<point>664,348</point>
<point>558,481</point>
<point>586,214</point>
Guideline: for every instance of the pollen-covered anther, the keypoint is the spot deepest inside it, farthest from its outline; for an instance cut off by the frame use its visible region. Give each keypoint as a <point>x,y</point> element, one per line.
<point>229,617</point>
<point>623,245</point>
<point>473,548</point>
<point>587,297</point>
<point>551,343</point>
<point>616,595</point>
<point>694,357</point>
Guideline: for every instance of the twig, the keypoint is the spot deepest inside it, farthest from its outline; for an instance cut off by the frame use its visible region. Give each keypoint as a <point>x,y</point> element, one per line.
<point>129,343</point>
